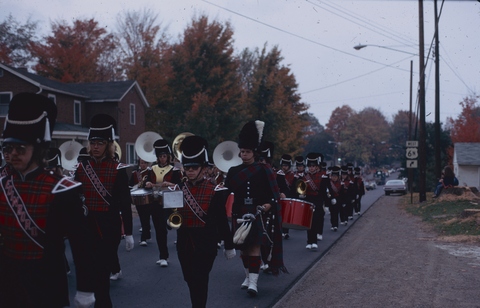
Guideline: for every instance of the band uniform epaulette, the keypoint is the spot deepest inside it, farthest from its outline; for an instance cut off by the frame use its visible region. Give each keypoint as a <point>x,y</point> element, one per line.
<point>65,184</point>
<point>325,176</point>
<point>220,187</point>
<point>122,166</point>
<point>280,172</point>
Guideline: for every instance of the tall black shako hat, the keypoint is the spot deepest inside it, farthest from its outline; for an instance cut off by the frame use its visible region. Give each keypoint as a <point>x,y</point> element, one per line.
<point>161,147</point>
<point>299,161</point>
<point>266,149</point>
<point>54,158</point>
<point>312,159</point>
<point>194,151</point>
<point>30,119</point>
<point>344,170</point>
<point>286,160</point>
<point>335,170</point>
<point>250,136</point>
<point>102,126</point>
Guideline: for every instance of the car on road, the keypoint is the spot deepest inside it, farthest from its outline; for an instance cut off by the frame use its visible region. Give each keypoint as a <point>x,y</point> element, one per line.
<point>395,186</point>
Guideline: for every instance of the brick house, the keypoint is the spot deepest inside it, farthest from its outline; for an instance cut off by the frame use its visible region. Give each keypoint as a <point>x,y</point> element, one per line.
<point>78,103</point>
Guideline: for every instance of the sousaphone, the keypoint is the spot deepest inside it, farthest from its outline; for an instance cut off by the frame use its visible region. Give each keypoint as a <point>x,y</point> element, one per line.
<point>144,146</point>
<point>118,150</point>
<point>70,151</point>
<point>177,142</point>
<point>226,155</point>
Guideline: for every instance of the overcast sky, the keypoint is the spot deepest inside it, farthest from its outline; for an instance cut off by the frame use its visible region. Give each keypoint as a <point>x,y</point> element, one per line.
<point>317,39</point>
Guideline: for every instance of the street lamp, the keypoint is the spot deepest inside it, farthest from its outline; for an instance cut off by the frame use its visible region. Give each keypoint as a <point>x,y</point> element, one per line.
<point>361,46</point>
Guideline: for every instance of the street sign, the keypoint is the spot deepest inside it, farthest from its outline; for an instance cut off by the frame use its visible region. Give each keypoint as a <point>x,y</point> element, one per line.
<point>412,163</point>
<point>412,144</point>
<point>412,153</point>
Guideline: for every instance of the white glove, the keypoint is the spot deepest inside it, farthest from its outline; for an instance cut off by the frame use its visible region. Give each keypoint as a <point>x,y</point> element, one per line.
<point>344,205</point>
<point>334,201</point>
<point>229,253</point>
<point>84,299</point>
<point>129,242</point>
<point>358,196</point>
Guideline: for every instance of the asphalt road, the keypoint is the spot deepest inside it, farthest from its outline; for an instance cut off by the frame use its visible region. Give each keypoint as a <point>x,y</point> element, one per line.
<point>145,284</point>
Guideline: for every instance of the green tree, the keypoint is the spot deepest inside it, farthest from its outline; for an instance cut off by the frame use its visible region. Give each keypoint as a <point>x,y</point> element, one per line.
<point>15,39</point>
<point>317,141</point>
<point>75,53</point>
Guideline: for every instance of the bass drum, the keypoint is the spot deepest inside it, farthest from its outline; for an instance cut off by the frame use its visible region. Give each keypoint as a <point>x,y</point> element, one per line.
<point>296,214</point>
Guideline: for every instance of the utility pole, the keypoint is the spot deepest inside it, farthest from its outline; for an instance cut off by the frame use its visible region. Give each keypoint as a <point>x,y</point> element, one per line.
<point>438,167</point>
<point>410,170</point>
<point>422,149</point>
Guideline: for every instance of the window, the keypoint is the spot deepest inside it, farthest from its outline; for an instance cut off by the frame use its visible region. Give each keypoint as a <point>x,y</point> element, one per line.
<point>53,98</point>
<point>1,72</point>
<point>131,155</point>
<point>77,112</point>
<point>132,114</point>
<point>4,102</point>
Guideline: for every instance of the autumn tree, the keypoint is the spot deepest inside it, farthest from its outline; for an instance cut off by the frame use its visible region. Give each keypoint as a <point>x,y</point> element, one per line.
<point>75,53</point>
<point>142,42</point>
<point>15,39</point>
<point>365,137</point>
<point>271,95</point>
<point>202,92</point>
<point>466,128</point>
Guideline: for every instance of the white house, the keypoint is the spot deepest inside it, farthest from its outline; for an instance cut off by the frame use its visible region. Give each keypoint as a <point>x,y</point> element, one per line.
<point>466,163</point>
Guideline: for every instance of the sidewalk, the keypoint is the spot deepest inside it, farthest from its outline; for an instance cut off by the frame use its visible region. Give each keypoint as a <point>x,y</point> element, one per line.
<point>386,259</point>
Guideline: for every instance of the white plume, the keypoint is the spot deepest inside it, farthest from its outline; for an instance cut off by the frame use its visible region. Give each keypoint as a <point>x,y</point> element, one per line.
<point>260,125</point>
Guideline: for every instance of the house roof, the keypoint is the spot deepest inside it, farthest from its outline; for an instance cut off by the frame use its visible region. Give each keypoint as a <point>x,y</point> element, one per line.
<point>467,153</point>
<point>112,91</point>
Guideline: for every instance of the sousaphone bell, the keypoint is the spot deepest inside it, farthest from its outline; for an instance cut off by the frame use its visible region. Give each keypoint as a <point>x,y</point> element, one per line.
<point>70,151</point>
<point>144,146</point>
<point>226,155</point>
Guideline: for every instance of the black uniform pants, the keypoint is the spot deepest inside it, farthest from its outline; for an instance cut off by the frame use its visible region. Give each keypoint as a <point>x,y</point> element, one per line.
<point>334,212</point>
<point>358,204</point>
<point>196,269</point>
<point>159,219</point>
<point>144,213</point>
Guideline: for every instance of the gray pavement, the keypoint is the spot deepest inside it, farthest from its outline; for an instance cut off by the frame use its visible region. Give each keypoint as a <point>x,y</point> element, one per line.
<point>389,259</point>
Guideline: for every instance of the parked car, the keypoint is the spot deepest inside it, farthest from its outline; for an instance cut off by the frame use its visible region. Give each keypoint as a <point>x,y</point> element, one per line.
<point>370,185</point>
<point>395,186</point>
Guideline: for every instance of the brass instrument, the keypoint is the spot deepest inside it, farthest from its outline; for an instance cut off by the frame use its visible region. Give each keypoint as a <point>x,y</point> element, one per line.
<point>226,155</point>
<point>144,146</point>
<point>175,219</point>
<point>70,151</point>
<point>177,142</point>
<point>301,188</point>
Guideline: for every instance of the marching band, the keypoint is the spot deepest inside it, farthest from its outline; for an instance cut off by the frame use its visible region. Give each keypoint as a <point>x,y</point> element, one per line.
<point>180,187</point>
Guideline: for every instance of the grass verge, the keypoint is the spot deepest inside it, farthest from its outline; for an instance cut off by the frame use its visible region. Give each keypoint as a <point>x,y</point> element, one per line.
<point>444,215</point>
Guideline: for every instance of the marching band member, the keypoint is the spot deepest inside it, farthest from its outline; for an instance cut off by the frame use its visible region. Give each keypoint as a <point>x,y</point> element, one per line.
<point>37,210</point>
<point>333,190</point>
<point>256,193</point>
<point>138,179</point>
<point>285,179</point>
<point>204,221</point>
<point>346,195</point>
<point>351,176</point>
<point>107,196</point>
<point>359,190</point>
<point>313,181</point>
<point>165,175</point>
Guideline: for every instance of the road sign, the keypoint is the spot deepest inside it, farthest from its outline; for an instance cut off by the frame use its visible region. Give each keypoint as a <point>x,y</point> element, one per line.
<point>412,153</point>
<point>412,144</point>
<point>412,163</point>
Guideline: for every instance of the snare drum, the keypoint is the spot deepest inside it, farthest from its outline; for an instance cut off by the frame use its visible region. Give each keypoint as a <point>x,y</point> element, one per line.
<point>141,196</point>
<point>296,214</point>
